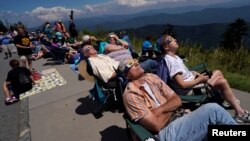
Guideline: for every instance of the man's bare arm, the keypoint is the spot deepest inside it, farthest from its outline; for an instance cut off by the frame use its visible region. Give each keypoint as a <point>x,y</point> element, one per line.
<point>159,117</point>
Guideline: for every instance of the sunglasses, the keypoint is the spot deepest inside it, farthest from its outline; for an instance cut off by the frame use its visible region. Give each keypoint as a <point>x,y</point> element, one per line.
<point>169,40</point>
<point>130,64</point>
<point>87,49</point>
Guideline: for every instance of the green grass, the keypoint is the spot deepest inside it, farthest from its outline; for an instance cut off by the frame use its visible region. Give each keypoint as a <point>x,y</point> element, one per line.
<point>235,64</point>
<point>238,81</point>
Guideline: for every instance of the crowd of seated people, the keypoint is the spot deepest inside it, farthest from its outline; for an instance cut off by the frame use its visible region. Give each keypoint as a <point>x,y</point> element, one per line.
<point>163,101</point>
<point>147,99</point>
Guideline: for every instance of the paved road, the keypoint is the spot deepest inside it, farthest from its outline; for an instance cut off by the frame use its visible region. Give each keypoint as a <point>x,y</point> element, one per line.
<point>63,113</point>
<point>10,116</point>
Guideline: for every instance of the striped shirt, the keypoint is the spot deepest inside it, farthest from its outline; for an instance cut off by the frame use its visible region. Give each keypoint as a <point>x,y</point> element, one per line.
<point>138,102</point>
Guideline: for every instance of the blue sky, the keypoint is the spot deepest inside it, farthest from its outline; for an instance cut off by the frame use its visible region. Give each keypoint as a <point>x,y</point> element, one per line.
<point>32,11</point>
<point>29,5</point>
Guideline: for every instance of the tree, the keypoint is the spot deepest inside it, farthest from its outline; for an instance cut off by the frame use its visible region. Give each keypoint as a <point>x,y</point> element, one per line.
<point>2,27</point>
<point>169,30</point>
<point>233,37</point>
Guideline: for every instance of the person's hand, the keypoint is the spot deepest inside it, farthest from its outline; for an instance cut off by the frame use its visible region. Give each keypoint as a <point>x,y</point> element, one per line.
<point>187,111</point>
<point>203,78</point>
<point>196,74</point>
<point>116,37</point>
<point>34,83</point>
<point>93,38</point>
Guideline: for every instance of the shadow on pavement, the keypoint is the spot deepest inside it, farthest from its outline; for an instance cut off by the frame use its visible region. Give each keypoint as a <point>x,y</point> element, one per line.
<point>114,133</point>
<point>86,107</point>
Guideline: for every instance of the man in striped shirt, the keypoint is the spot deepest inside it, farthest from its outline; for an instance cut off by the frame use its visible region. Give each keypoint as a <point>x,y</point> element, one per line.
<point>149,101</point>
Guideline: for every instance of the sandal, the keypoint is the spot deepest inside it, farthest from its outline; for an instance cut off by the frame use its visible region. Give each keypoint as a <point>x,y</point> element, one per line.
<point>14,99</point>
<point>243,118</point>
<point>8,101</point>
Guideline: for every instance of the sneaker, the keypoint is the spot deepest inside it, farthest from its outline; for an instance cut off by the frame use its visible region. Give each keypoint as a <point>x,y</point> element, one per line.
<point>243,118</point>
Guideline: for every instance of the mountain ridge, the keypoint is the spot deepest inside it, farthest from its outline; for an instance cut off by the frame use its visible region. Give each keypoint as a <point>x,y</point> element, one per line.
<point>206,16</point>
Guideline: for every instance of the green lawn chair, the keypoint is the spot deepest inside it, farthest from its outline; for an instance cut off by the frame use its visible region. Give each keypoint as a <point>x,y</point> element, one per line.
<point>135,130</point>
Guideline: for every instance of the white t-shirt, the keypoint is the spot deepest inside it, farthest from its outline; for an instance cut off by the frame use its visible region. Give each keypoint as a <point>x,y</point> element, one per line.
<point>103,66</point>
<point>175,66</point>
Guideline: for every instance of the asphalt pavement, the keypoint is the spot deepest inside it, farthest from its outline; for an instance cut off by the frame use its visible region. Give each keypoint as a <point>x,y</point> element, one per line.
<point>9,115</point>
<point>63,113</point>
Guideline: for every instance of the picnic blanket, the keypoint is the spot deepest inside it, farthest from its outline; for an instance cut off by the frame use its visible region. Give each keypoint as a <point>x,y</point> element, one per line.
<point>50,78</point>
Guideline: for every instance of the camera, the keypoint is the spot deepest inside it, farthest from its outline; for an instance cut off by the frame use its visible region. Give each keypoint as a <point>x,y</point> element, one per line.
<point>206,72</point>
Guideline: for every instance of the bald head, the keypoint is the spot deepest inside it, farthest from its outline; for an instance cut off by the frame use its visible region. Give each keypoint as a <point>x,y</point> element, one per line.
<point>88,51</point>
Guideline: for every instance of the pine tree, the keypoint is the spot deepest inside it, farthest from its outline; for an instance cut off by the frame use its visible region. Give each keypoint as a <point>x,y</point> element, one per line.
<point>169,30</point>
<point>2,27</point>
<point>233,37</point>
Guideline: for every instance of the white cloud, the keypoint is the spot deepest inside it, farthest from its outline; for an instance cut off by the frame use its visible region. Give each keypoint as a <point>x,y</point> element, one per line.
<point>136,3</point>
<point>128,6</point>
<point>54,13</point>
<point>111,7</point>
<point>140,3</point>
<point>100,8</point>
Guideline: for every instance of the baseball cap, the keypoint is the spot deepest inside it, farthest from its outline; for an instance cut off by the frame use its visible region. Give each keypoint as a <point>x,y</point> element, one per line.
<point>59,35</point>
<point>85,38</point>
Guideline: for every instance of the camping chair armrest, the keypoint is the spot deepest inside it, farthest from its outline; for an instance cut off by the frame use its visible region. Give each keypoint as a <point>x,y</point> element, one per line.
<point>142,133</point>
<point>198,67</point>
<point>194,98</point>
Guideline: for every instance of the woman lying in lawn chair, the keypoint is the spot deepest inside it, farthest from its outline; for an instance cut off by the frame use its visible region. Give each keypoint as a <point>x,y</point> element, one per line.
<point>184,80</point>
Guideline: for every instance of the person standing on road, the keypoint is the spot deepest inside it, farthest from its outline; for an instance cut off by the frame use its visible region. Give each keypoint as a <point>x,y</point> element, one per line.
<point>24,46</point>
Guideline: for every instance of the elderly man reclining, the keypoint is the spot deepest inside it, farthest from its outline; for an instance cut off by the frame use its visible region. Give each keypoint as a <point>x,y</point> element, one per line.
<point>105,67</point>
<point>151,103</point>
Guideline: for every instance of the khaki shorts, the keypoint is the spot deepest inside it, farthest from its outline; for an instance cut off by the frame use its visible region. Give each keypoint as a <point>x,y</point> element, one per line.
<point>26,57</point>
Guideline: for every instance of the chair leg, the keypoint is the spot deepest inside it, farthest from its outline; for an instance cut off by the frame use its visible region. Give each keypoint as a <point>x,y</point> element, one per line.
<point>113,92</point>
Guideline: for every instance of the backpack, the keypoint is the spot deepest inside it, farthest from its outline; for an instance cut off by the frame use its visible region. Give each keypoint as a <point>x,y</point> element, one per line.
<point>24,79</point>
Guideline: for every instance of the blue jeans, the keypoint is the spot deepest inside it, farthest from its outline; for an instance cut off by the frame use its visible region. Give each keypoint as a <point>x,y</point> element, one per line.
<point>149,65</point>
<point>194,126</point>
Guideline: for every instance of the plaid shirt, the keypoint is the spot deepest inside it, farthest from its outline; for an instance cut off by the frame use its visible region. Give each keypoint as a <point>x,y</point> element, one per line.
<point>138,102</point>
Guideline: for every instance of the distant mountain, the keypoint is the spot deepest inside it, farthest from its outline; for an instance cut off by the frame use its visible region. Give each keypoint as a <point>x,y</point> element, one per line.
<point>206,16</point>
<point>184,9</point>
<point>207,35</point>
<point>205,26</point>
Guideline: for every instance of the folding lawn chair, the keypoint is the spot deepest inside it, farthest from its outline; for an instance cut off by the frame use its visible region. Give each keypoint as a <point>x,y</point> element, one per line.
<point>57,53</point>
<point>105,94</point>
<point>136,131</point>
<point>201,94</point>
